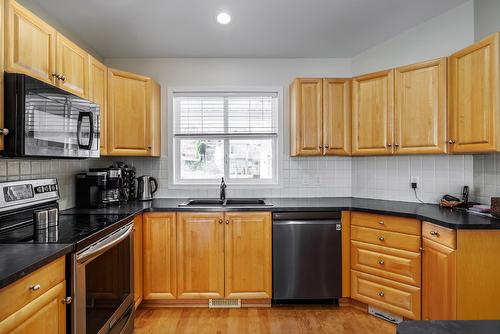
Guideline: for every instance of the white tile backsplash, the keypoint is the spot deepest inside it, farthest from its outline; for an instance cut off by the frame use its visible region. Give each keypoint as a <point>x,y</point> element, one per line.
<point>486,177</point>
<point>389,177</point>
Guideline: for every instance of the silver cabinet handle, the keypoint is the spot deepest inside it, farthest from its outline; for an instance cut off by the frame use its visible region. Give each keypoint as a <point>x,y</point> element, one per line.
<point>451,142</point>
<point>67,300</point>
<point>4,131</point>
<point>381,294</point>
<point>434,233</point>
<point>381,262</point>
<point>381,238</point>
<point>35,287</point>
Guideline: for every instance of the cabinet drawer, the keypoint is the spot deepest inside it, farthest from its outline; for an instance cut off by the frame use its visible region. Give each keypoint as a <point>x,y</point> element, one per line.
<point>386,223</point>
<point>442,235</point>
<point>395,264</point>
<point>384,238</point>
<point>18,294</point>
<point>392,296</point>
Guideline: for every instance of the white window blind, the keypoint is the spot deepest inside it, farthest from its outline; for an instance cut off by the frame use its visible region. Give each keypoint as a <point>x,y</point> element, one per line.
<point>226,114</point>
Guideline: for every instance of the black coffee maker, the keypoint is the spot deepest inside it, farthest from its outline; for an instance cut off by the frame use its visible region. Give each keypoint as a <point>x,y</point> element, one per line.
<point>99,187</point>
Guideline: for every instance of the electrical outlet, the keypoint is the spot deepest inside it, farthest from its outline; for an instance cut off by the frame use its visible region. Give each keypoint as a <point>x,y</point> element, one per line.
<point>414,181</point>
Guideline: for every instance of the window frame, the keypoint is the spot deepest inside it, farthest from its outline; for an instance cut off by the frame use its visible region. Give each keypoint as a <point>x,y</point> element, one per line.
<point>174,181</point>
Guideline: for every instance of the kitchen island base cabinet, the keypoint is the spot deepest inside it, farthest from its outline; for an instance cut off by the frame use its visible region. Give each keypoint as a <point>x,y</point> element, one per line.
<point>159,255</point>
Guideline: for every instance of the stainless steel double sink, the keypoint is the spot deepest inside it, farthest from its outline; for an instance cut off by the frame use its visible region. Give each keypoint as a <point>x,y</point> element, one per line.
<point>214,202</point>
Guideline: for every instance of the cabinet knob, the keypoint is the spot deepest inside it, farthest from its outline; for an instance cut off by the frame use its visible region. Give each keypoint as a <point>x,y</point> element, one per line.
<point>227,222</point>
<point>57,76</point>
<point>396,145</point>
<point>421,249</point>
<point>220,221</point>
<point>326,146</point>
<point>381,238</point>
<point>389,145</point>
<point>67,300</point>
<point>451,142</point>
<point>4,131</point>
<point>63,78</point>
<point>35,287</point>
<point>434,233</point>
<point>381,294</point>
<point>320,146</point>
<point>381,222</point>
<point>381,262</point>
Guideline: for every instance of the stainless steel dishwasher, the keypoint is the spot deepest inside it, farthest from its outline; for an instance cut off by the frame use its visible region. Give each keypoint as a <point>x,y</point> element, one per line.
<point>307,256</point>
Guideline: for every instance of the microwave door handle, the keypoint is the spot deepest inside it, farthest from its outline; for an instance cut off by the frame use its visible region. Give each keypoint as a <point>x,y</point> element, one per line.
<point>81,115</point>
<point>101,247</point>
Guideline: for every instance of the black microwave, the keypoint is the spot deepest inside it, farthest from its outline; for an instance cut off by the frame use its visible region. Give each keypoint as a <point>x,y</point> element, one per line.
<point>46,121</point>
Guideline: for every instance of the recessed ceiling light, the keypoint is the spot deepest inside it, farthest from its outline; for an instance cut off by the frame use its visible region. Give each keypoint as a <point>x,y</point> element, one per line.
<point>223,18</point>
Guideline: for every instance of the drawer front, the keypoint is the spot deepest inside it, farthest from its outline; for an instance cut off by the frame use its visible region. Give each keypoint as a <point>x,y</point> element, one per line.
<point>395,297</point>
<point>384,238</point>
<point>16,295</point>
<point>395,264</point>
<point>442,235</point>
<point>386,223</point>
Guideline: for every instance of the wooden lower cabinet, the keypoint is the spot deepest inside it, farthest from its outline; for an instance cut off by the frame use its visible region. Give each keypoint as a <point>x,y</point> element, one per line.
<point>138,268</point>
<point>159,255</point>
<point>248,255</point>
<point>439,282</point>
<point>200,255</point>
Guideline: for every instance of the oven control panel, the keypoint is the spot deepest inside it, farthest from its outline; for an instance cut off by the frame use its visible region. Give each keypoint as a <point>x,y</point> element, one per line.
<point>18,194</point>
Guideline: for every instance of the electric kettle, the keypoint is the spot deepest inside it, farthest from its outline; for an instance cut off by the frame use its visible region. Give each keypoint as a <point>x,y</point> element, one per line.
<point>146,187</point>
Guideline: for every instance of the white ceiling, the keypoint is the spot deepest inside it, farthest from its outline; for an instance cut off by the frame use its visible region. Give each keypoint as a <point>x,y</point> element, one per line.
<point>259,28</point>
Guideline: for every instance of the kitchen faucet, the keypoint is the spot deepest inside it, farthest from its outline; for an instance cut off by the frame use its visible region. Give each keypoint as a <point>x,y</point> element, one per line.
<point>223,187</point>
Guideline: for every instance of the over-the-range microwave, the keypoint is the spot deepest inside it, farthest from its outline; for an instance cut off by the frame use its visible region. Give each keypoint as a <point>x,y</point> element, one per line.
<point>45,121</point>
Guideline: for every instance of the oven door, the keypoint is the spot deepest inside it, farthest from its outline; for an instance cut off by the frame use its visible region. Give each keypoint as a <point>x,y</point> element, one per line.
<point>103,285</point>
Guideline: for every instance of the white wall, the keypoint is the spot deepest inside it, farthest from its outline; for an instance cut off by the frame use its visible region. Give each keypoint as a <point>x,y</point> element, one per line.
<point>321,176</point>
<point>438,37</point>
<point>486,17</point>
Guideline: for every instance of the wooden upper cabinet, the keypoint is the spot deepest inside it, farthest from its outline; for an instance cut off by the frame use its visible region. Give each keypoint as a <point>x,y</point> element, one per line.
<point>306,110</point>
<point>372,113</point>
<point>159,248</point>
<point>473,89</point>
<point>133,120</point>
<point>30,43</point>
<point>200,255</point>
<point>337,116</point>
<point>420,108</point>
<point>98,84</point>
<point>73,67</point>
<point>439,282</point>
<point>248,255</point>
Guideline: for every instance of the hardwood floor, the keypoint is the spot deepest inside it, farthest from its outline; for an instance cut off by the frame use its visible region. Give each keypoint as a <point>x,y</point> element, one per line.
<point>287,320</point>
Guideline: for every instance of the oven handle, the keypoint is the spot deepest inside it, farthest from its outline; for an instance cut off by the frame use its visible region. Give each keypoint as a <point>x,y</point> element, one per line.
<point>102,246</point>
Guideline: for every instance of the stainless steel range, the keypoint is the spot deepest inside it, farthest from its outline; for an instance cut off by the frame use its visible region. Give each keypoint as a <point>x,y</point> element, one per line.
<point>99,271</point>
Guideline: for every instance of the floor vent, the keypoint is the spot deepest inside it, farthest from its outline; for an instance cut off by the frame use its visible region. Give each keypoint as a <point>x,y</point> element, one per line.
<point>224,303</point>
<point>387,316</point>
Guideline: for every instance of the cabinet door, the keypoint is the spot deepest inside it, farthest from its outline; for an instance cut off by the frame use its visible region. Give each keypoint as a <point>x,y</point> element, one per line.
<point>159,280</point>
<point>200,255</point>
<point>306,117</point>
<point>420,108</point>
<point>30,43</point>
<point>128,122</point>
<point>438,282</point>
<point>474,97</point>
<point>337,116</point>
<point>138,268</point>
<point>248,255</point>
<point>2,69</point>
<point>98,85</point>
<point>372,113</point>
<point>44,315</point>
<point>73,66</point>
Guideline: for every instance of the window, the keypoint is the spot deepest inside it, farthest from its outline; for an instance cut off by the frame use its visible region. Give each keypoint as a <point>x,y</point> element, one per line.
<point>231,134</point>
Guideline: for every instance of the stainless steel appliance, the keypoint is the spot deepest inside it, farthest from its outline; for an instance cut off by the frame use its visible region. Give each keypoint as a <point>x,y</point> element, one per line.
<point>100,187</point>
<point>46,121</point>
<point>146,187</point>
<point>307,256</point>
<point>100,270</point>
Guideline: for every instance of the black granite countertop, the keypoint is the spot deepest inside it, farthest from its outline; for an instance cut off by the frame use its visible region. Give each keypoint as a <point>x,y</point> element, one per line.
<point>449,327</point>
<point>18,260</point>
<point>429,212</point>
